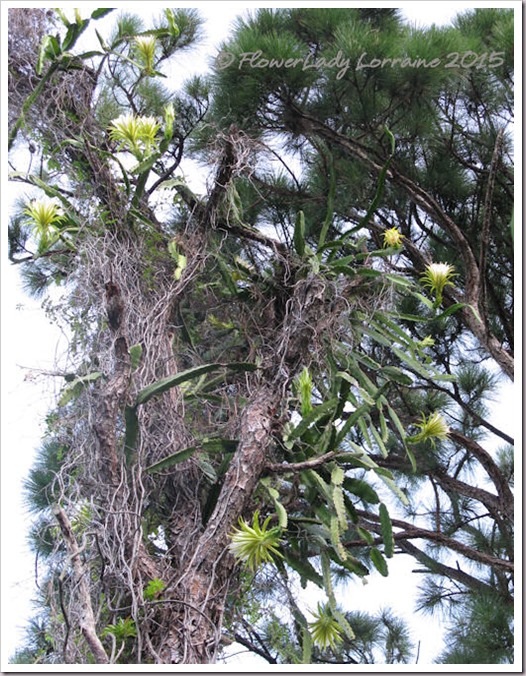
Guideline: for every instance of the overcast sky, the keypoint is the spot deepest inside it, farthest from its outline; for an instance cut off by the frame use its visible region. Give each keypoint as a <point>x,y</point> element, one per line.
<point>30,344</point>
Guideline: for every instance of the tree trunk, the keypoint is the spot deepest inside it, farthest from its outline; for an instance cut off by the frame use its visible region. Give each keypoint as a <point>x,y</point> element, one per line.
<point>198,595</point>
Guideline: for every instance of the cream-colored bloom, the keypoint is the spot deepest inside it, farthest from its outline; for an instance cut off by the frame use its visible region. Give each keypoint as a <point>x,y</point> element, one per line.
<point>432,428</point>
<point>137,134</point>
<point>436,277</point>
<point>43,212</point>
<point>146,46</point>
<point>326,632</point>
<point>45,216</point>
<point>254,545</point>
<point>392,237</point>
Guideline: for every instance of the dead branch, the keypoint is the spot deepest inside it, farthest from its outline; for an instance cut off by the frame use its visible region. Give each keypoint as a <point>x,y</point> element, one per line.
<point>87,617</point>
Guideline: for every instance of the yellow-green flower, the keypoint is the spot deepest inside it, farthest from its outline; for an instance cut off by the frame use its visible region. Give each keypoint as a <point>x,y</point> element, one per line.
<point>45,216</point>
<point>325,630</point>
<point>392,237</point>
<point>428,341</point>
<point>436,277</point>
<point>43,212</point>
<point>146,46</point>
<point>135,133</point>
<point>432,428</point>
<point>254,545</point>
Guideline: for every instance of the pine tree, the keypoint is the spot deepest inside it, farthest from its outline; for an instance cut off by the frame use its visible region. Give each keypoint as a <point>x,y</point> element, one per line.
<point>448,198</point>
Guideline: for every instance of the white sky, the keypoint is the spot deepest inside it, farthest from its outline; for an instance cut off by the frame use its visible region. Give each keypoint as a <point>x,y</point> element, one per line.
<point>29,345</point>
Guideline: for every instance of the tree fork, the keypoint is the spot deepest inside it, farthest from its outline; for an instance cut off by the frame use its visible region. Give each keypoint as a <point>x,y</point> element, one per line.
<point>203,584</point>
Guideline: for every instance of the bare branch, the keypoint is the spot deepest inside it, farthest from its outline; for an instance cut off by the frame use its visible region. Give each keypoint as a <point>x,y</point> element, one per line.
<point>283,468</point>
<point>87,617</point>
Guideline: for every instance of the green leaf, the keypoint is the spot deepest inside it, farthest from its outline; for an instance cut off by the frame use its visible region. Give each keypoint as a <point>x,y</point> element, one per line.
<point>209,445</point>
<point>428,303</point>
<point>317,480</point>
<point>305,569</point>
<point>399,281</point>
<point>411,457</point>
<point>352,420</point>
<point>327,580</point>
<point>219,445</point>
<point>42,54</point>
<point>172,460</point>
<point>71,36</point>
<point>451,309</point>
<point>339,506</point>
<point>362,459</point>
<point>280,510</point>
<point>90,55</point>
<point>62,16</point>
<point>396,420</point>
<point>362,489</point>
<point>379,442</point>
<point>338,615</point>
<point>54,49</point>
<point>165,384</point>
<point>337,476</point>
<point>345,388</point>
<point>342,621</point>
<point>172,24</point>
<point>379,562</point>
<point>99,13</point>
<point>154,588</point>
<point>365,535</point>
<point>306,646</point>
<point>387,531</point>
<point>101,41</point>
<point>383,427</point>
<point>411,362</point>
<point>335,538</point>
<point>458,306</point>
<point>146,164</point>
<point>135,355</point>
<point>355,566</point>
<point>76,386</point>
<point>392,485</point>
<point>397,375</point>
<point>124,628</point>
<point>207,469</point>
<point>381,322</point>
<point>316,413</point>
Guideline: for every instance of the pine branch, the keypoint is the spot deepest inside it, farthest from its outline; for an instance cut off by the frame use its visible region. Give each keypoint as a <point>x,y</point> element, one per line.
<point>473,289</point>
<point>411,532</point>
<point>436,567</point>
<point>485,459</point>
<point>484,238</point>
